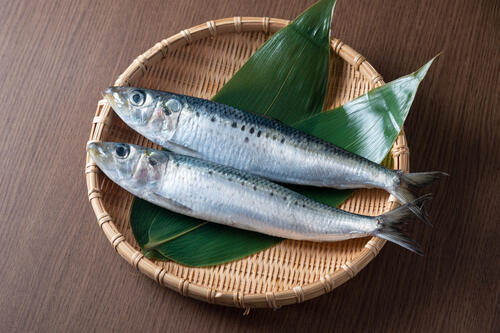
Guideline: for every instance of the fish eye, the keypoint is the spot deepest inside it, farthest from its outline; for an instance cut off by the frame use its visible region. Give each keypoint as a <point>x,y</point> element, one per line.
<point>137,98</point>
<point>122,150</point>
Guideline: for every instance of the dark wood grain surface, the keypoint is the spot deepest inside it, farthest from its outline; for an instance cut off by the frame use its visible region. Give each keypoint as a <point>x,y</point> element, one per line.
<point>58,272</point>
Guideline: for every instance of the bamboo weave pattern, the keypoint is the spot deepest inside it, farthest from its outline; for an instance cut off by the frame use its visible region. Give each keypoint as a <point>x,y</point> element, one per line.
<point>199,61</point>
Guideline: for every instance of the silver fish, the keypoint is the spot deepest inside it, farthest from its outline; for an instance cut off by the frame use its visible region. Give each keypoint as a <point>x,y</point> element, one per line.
<point>221,194</point>
<point>258,145</point>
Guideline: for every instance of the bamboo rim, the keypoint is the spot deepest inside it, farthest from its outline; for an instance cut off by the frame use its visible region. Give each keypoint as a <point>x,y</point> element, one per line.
<point>140,66</point>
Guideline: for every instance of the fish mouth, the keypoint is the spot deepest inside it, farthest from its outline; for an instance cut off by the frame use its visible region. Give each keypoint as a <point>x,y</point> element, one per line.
<point>97,151</point>
<point>108,94</point>
<point>116,99</point>
<point>94,149</point>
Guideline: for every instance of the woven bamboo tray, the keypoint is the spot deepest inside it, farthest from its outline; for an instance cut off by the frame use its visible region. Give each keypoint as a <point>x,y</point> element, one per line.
<point>198,61</point>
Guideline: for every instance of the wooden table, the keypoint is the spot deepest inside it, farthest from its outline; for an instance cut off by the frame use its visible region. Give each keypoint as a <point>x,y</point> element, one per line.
<point>58,271</point>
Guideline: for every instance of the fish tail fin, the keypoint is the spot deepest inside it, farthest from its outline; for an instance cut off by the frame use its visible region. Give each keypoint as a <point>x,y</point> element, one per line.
<point>406,197</point>
<point>403,190</point>
<point>421,178</point>
<point>391,225</point>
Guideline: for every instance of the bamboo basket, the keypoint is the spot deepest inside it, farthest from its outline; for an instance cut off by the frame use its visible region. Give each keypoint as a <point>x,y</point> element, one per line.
<point>198,61</point>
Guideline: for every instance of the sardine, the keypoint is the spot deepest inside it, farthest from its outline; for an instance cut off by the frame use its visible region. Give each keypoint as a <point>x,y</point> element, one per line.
<point>258,145</point>
<point>225,195</point>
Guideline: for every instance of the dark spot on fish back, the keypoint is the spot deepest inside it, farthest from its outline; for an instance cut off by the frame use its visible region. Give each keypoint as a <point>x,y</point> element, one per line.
<point>197,113</point>
<point>210,172</point>
<point>246,139</point>
<point>243,127</point>
<point>255,188</point>
<point>259,133</point>
<point>152,161</point>
<point>251,130</point>
<point>212,119</point>
<point>283,140</point>
<point>234,124</point>
<point>271,194</point>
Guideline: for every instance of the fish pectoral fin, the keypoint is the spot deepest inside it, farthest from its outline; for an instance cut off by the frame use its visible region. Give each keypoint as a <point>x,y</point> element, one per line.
<point>179,149</point>
<point>179,205</point>
<point>173,203</point>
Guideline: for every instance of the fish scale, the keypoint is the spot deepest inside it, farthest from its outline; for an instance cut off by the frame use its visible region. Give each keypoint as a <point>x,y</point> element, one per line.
<point>284,147</point>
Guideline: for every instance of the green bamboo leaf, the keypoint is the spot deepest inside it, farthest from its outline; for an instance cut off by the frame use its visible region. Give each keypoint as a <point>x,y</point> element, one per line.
<point>366,126</point>
<point>357,125</point>
<point>289,72</point>
<point>142,216</point>
<point>286,78</point>
<point>166,227</point>
<point>214,244</point>
<point>153,254</point>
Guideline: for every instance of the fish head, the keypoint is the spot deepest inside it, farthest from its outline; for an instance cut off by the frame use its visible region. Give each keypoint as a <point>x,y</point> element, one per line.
<point>154,114</point>
<point>130,166</point>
